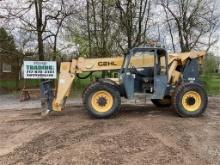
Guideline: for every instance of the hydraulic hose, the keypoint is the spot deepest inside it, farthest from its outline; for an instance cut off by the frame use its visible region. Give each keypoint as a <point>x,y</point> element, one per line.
<point>85,77</point>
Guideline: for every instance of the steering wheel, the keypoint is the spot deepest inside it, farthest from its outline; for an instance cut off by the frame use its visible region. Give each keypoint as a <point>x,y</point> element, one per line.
<point>133,70</point>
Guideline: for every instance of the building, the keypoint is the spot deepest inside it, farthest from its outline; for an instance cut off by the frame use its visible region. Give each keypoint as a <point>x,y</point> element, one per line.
<point>9,69</point>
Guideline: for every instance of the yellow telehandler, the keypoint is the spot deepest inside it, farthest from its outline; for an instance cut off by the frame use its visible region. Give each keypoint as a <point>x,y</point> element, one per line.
<point>165,79</point>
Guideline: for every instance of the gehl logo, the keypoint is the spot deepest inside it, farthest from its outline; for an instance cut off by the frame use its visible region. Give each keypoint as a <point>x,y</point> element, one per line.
<point>106,63</point>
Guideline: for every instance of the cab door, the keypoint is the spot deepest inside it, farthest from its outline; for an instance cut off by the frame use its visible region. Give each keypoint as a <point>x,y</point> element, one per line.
<point>160,75</point>
<point>133,67</point>
<point>126,78</point>
<point>128,84</point>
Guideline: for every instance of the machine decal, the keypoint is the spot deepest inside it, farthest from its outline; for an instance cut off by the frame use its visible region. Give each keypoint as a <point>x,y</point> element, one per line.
<point>106,63</point>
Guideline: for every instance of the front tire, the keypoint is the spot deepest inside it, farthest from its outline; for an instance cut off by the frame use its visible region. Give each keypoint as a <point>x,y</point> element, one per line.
<point>102,100</point>
<point>190,100</point>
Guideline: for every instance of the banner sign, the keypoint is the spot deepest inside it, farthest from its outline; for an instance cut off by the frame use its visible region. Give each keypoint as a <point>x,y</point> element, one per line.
<point>40,69</point>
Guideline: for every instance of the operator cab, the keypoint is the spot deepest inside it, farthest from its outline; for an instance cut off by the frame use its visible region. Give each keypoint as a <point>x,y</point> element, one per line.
<point>144,71</point>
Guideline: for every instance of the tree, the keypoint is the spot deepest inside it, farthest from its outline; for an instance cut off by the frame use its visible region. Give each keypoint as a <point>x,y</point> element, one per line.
<point>24,14</point>
<point>134,20</point>
<point>40,26</point>
<point>100,30</point>
<point>210,65</point>
<point>113,27</point>
<point>58,17</point>
<point>6,41</point>
<point>37,16</point>
<point>194,21</point>
<point>169,25</point>
<point>8,52</point>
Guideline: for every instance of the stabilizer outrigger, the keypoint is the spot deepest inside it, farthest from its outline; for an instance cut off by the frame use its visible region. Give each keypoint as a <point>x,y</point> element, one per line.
<point>47,97</point>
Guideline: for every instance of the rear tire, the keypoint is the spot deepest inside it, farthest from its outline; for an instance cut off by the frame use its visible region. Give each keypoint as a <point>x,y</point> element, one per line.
<point>190,100</point>
<point>166,102</point>
<point>102,100</point>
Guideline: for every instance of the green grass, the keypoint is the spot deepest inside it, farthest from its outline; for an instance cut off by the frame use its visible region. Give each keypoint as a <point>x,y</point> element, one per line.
<point>212,83</point>
<point>7,84</point>
<point>12,84</point>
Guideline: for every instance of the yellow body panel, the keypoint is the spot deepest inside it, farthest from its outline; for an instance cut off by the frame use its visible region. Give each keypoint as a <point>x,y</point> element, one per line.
<point>64,85</point>
<point>99,64</point>
<point>112,63</point>
<point>182,57</point>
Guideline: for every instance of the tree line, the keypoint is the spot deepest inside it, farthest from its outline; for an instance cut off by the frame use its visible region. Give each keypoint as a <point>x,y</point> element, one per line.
<point>111,27</point>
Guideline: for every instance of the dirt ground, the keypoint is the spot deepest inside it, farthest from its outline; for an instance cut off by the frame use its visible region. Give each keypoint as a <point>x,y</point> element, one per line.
<point>137,135</point>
